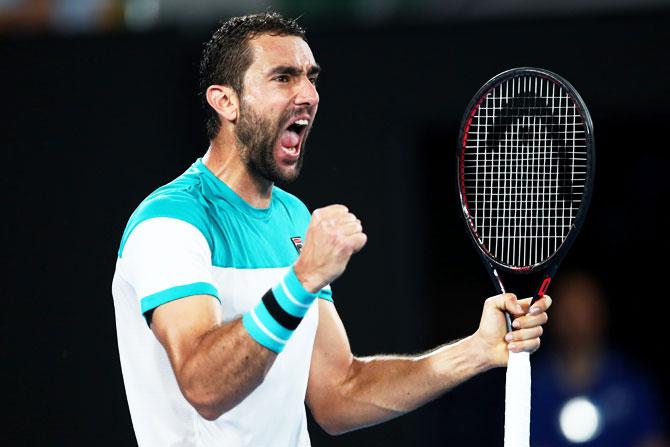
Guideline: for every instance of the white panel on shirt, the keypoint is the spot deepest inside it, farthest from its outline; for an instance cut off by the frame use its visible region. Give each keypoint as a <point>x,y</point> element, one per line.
<point>273,414</point>
<point>164,252</point>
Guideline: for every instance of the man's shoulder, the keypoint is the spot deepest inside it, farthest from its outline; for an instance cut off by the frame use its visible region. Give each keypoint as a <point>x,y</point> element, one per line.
<point>181,199</point>
<point>182,195</point>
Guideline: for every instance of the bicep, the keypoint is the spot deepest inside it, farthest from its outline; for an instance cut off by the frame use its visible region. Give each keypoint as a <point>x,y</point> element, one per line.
<point>168,263</point>
<point>331,357</point>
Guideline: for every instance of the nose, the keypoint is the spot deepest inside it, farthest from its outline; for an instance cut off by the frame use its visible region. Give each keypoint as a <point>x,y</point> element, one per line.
<point>306,94</point>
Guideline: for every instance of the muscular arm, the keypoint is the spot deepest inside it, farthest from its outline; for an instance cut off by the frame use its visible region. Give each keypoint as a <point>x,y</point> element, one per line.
<point>346,392</point>
<point>216,364</point>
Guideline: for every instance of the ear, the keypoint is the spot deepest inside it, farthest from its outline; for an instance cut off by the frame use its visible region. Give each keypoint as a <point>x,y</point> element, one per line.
<point>224,100</point>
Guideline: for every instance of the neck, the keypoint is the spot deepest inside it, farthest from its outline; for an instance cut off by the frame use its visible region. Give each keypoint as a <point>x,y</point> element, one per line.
<point>223,159</point>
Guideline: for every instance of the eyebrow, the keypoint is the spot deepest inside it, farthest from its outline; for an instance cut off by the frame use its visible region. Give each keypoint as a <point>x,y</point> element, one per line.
<point>294,71</point>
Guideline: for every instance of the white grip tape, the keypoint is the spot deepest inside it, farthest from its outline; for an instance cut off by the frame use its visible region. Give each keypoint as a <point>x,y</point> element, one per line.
<point>517,400</point>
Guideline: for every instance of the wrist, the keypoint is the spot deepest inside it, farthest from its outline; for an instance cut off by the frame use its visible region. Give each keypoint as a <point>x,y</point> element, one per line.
<point>292,285</point>
<point>309,281</point>
<point>274,319</point>
<point>483,352</point>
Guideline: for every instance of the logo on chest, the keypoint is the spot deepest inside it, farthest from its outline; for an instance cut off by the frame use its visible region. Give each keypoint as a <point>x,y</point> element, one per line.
<point>297,243</point>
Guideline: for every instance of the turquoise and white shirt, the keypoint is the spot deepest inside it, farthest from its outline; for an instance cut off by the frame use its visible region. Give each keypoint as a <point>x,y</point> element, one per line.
<point>195,236</point>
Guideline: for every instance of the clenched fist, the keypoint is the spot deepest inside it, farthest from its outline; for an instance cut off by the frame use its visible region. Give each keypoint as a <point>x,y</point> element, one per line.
<point>492,334</point>
<point>333,235</point>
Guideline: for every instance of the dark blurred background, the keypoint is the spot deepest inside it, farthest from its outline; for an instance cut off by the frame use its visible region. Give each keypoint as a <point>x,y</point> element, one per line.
<point>98,107</point>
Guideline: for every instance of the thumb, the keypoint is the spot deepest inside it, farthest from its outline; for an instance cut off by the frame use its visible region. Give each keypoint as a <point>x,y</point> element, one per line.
<point>507,302</point>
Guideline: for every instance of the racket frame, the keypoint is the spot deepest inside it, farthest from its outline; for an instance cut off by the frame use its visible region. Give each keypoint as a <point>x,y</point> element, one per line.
<point>547,268</point>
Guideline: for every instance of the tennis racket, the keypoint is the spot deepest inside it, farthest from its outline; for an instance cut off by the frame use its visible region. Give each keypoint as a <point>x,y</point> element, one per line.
<point>526,161</point>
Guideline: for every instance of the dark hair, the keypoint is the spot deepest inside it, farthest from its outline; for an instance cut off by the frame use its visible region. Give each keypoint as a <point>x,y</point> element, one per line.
<point>227,55</point>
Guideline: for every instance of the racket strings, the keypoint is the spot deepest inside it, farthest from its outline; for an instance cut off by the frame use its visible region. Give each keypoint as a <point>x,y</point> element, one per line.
<point>524,169</point>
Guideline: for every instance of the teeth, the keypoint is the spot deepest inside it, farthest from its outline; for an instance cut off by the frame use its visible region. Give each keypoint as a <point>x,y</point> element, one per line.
<point>302,122</point>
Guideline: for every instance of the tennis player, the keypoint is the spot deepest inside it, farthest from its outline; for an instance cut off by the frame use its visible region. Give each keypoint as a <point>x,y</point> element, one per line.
<point>225,317</point>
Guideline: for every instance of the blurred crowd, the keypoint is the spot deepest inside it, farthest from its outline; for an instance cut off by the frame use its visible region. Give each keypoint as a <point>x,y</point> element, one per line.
<point>60,15</point>
<point>586,391</point>
<point>73,16</point>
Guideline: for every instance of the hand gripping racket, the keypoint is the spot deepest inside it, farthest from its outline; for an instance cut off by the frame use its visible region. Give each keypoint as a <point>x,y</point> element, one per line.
<point>526,162</point>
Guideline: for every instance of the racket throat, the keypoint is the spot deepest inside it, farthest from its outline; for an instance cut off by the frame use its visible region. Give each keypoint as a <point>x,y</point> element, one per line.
<point>525,285</point>
<point>528,285</point>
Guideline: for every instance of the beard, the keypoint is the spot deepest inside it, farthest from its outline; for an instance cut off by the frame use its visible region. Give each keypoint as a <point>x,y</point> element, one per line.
<point>258,137</point>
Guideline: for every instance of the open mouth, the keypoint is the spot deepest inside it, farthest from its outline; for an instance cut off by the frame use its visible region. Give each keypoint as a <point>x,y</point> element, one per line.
<point>292,137</point>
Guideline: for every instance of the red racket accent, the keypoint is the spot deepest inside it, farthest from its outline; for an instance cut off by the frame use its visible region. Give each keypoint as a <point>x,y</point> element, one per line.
<point>544,287</point>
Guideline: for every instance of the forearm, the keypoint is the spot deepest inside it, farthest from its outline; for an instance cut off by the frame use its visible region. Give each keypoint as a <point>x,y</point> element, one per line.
<point>383,387</point>
<point>218,364</point>
<point>223,369</point>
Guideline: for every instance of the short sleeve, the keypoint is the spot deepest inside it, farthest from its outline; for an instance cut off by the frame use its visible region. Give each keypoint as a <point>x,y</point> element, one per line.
<point>165,259</point>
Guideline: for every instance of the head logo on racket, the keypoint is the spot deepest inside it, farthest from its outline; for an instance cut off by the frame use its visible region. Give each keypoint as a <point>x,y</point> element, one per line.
<point>526,164</point>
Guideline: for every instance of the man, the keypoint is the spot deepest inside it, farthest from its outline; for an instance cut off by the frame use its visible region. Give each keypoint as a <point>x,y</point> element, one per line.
<point>225,317</point>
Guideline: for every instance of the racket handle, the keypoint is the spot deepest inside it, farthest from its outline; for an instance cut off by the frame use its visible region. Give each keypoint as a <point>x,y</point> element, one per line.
<point>508,319</point>
<point>497,282</point>
<point>517,400</point>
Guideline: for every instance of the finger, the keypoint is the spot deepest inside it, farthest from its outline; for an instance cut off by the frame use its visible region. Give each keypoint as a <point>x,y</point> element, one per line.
<point>512,305</point>
<point>346,217</point>
<point>531,345</point>
<point>524,334</point>
<point>541,305</point>
<point>529,321</point>
<point>336,208</point>
<point>330,211</point>
<point>358,241</point>
<point>351,228</point>
<point>500,302</point>
<point>336,218</point>
<point>525,304</point>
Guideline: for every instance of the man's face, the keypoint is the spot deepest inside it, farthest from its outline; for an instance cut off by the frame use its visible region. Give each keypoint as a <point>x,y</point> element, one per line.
<point>277,106</point>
